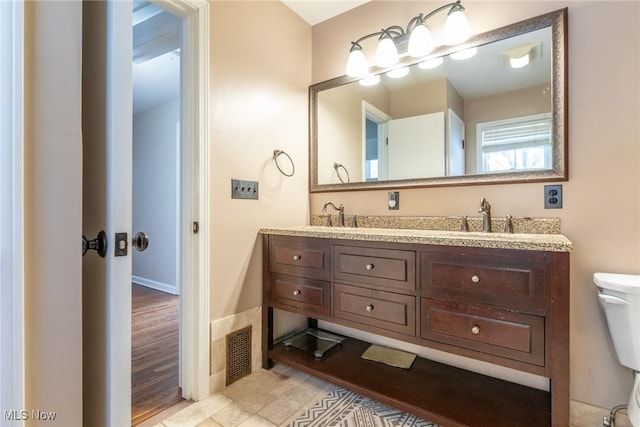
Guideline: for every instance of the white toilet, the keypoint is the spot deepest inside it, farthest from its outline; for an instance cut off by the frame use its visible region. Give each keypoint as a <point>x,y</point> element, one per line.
<point>619,295</point>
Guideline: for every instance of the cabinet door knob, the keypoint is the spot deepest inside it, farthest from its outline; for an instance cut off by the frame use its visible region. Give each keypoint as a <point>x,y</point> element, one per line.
<point>296,257</point>
<point>369,267</point>
<point>296,292</point>
<point>369,307</point>
<point>475,278</point>
<point>475,329</point>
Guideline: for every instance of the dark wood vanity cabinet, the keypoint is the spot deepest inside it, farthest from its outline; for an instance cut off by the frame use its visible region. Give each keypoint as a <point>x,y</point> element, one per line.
<point>508,307</point>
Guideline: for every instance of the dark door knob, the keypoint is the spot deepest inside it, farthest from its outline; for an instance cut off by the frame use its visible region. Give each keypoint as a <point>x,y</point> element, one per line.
<point>99,244</point>
<point>140,241</point>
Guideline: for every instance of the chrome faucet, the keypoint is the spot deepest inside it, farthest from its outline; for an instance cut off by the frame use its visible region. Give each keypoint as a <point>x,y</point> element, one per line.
<point>340,210</point>
<point>485,210</point>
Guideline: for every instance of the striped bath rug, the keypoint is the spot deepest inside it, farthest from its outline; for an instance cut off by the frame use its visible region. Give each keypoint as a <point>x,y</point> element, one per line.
<point>344,408</point>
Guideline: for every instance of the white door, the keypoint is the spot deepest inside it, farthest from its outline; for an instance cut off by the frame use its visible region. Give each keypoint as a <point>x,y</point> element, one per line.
<point>416,147</point>
<point>107,192</point>
<point>107,129</point>
<point>455,145</point>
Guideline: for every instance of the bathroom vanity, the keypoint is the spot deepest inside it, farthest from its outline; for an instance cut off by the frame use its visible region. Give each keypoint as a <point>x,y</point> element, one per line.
<point>498,298</point>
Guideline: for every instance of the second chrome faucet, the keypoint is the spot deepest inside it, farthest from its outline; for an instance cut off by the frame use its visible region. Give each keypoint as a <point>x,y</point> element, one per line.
<point>340,210</point>
<point>485,210</point>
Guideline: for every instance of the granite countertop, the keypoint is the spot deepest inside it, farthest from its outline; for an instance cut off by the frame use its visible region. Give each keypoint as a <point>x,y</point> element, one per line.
<point>536,242</point>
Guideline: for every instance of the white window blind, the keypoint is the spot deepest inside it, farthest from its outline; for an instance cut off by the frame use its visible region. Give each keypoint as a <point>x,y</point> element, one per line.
<point>515,144</point>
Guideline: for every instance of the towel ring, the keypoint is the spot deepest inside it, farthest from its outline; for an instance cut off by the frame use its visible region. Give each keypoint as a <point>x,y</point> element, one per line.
<point>337,167</point>
<point>278,153</point>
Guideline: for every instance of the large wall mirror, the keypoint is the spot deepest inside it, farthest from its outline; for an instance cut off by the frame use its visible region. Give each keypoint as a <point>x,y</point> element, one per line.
<point>484,119</point>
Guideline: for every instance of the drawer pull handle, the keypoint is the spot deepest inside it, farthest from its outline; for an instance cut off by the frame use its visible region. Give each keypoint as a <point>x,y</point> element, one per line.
<point>297,257</point>
<point>369,267</point>
<point>475,278</point>
<point>296,292</point>
<point>369,308</point>
<point>475,330</point>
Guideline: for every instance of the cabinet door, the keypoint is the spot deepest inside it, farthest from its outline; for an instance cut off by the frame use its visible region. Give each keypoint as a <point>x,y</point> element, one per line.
<point>509,279</point>
<point>300,295</point>
<point>388,268</point>
<point>507,334</point>
<point>300,257</point>
<point>378,309</point>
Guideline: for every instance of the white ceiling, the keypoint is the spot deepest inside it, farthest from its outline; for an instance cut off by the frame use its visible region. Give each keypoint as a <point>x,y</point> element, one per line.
<point>316,11</point>
<point>156,56</point>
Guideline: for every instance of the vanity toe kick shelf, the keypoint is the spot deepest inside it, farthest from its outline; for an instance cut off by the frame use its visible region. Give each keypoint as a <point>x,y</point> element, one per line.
<point>434,391</point>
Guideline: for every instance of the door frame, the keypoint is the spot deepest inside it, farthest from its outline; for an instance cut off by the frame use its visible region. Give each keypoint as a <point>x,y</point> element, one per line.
<point>12,310</point>
<point>194,252</point>
<point>195,301</point>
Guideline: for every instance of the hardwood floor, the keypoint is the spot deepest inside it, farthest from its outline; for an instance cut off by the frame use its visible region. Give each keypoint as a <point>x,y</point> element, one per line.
<point>154,353</point>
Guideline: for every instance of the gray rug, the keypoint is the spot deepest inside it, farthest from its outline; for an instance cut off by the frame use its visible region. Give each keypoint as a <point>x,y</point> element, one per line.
<point>343,408</point>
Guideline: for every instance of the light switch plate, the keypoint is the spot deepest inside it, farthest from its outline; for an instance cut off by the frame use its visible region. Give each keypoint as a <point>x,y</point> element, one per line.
<point>241,189</point>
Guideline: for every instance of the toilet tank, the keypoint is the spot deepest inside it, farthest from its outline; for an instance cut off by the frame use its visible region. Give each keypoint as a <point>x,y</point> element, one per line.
<point>619,296</point>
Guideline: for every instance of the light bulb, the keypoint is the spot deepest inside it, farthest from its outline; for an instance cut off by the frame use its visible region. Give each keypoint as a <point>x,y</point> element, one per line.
<point>387,53</point>
<point>456,28</point>
<point>420,41</point>
<point>357,64</point>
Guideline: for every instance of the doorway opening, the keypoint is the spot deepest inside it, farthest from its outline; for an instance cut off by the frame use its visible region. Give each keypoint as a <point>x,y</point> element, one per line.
<point>156,189</point>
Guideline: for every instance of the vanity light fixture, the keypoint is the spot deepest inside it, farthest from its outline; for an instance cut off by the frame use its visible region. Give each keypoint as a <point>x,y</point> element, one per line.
<point>416,40</point>
<point>521,56</point>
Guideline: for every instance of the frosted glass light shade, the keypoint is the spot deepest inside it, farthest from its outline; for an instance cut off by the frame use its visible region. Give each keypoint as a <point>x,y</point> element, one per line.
<point>387,53</point>
<point>456,28</point>
<point>357,64</point>
<point>420,41</point>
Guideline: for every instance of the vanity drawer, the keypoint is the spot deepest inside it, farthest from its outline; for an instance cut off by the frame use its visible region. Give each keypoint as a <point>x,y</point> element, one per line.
<point>505,278</point>
<point>389,268</point>
<point>506,334</point>
<point>300,295</point>
<point>384,310</point>
<point>300,257</point>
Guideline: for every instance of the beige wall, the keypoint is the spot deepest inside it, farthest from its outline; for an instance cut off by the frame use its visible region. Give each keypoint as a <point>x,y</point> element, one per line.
<point>604,160</point>
<point>53,211</point>
<point>340,113</point>
<point>260,72</point>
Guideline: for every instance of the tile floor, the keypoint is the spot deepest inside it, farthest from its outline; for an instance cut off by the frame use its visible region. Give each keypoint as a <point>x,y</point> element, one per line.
<point>263,399</point>
<point>276,397</point>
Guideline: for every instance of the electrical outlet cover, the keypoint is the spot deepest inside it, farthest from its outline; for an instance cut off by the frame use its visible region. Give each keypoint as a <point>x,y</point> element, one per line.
<point>553,196</point>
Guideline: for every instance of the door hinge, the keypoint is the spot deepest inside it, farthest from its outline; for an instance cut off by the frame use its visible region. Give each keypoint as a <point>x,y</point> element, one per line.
<point>195,227</point>
<point>463,144</point>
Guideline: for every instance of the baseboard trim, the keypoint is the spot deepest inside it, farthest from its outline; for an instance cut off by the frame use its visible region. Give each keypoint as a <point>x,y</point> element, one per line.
<point>153,284</point>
